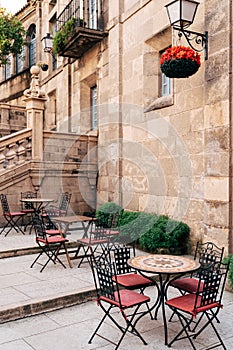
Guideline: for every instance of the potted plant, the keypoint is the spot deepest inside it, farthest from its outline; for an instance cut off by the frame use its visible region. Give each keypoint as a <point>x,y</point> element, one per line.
<point>12,36</point>
<point>180,62</point>
<point>43,65</point>
<point>62,36</point>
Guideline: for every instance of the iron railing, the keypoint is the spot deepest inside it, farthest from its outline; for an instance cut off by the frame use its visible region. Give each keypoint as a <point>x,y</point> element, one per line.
<point>87,13</point>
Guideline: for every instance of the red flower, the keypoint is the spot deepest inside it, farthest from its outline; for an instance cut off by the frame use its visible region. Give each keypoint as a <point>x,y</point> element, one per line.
<point>178,52</point>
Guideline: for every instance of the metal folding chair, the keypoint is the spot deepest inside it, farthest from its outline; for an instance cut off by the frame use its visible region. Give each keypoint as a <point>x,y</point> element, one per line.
<point>12,218</point>
<point>206,303</point>
<point>50,245</point>
<point>28,208</point>
<point>62,209</point>
<point>207,254</point>
<point>110,297</point>
<point>96,245</point>
<point>126,276</point>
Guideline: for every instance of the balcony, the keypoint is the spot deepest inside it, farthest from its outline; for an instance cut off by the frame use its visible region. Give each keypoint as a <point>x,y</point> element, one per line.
<point>79,27</point>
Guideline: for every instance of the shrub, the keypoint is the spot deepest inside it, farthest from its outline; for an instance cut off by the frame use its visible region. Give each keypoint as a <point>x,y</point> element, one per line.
<point>105,211</point>
<point>165,233</point>
<point>229,259</point>
<point>149,230</point>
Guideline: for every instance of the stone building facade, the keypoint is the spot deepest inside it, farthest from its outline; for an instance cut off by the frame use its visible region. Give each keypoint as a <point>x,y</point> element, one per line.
<point>160,149</point>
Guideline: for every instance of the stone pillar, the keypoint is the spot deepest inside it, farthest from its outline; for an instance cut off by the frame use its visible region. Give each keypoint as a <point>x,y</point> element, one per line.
<point>35,101</point>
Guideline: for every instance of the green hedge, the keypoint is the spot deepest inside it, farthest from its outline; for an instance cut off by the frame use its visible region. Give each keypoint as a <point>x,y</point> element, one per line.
<point>150,231</point>
<point>104,212</point>
<point>229,259</point>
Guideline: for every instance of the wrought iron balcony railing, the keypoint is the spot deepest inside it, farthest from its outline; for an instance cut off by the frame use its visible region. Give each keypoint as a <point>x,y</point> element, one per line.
<point>82,25</point>
<point>87,13</point>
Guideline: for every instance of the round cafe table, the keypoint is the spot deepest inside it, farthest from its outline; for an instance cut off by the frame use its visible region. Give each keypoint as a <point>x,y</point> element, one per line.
<point>168,268</point>
<point>38,203</point>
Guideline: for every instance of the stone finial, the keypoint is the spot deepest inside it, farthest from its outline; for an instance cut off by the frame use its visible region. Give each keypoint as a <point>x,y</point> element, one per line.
<point>35,90</point>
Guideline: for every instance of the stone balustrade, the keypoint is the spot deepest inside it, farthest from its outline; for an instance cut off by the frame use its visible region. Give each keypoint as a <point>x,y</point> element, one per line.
<point>15,149</point>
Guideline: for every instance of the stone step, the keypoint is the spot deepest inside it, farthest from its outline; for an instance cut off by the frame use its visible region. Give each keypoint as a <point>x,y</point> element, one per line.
<point>35,307</point>
<point>28,250</point>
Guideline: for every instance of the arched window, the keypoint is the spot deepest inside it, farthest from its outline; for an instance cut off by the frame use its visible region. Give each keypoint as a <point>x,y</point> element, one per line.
<point>32,44</point>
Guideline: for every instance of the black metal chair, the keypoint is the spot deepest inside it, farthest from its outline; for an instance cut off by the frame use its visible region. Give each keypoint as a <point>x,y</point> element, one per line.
<point>126,276</point>
<point>113,231</point>
<point>94,246</point>
<point>62,208</point>
<point>28,208</point>
<point>12,218</point>
<point>110,297</point>
<point>205,303</point>
<point>207,254</point>
<point>50,245</point>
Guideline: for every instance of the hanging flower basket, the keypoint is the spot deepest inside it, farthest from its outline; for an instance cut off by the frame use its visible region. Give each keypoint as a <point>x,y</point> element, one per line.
<point>44,66</point>
<point>180,62</point>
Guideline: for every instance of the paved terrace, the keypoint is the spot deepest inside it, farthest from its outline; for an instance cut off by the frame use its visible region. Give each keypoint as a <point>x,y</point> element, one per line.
<point>25,291</point>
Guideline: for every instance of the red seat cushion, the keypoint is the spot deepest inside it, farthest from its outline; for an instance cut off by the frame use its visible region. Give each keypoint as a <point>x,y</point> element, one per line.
<point>87,241</point>
<point>111,233</point>
<point>28,211</point>
<point>15,213</point>
<point>132,280</point>
<point>53,239</point>
<point>52,232</point>
<point>186,303</point>
<point>188,284</point>
<point>128,298</point>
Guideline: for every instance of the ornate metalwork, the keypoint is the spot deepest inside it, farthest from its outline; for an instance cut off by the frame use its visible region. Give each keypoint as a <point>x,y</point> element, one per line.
<point>197,41</point>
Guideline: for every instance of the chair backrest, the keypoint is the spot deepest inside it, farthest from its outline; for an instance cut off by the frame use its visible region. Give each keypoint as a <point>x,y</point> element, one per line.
<point>211,292</point>
<point>39,227</point>
<point>114,218</point>
<point>103,273</point>
<point>4,202</point>
<point>65,201</point>
<point>208,253</point>
<point>26,195</point>
<point>96,232</point>
<point>121,255</point>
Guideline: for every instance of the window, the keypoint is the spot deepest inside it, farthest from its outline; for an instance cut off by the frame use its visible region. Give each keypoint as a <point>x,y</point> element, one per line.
<point>53,30</point>
<point>8,69</point>
<point>32,45</point>
<point>166,83</point>
<point>94,116</point>
<point>93,13</point>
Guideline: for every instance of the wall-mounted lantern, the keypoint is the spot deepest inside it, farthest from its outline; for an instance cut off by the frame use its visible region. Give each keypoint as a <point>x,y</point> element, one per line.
<point>181,14</point>
<point>47,42</point>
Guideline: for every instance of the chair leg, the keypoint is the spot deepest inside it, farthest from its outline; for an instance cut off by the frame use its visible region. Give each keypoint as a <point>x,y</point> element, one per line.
<point>185,323</point>
<point>3,228</point>
<point>52,255</point>
<point>13,225</point>
<point>129,324</point>
<point>210,322</point>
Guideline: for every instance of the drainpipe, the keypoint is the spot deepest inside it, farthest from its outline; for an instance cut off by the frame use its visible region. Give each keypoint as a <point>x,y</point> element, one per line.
<point>120,133</point>
<point>230,248</point>
<point>69,95</point>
